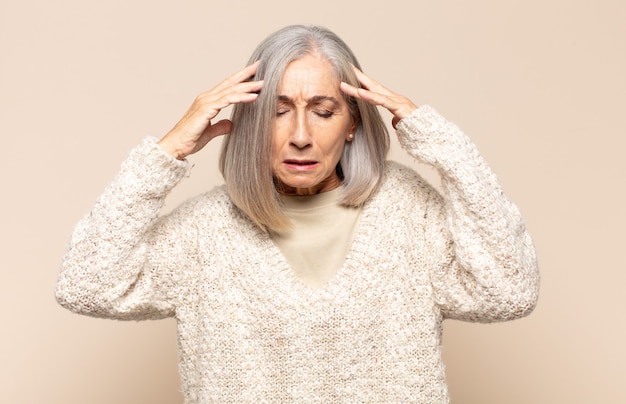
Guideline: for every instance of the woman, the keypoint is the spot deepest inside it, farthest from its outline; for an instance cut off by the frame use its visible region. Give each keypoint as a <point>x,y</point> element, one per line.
<point>320,272</point>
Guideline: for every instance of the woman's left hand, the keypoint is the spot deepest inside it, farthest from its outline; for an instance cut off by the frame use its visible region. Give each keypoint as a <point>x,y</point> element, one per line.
<point>376,94</point>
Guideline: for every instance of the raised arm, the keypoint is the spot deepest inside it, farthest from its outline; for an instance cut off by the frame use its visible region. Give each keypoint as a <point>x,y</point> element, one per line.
<point>116,264</point>
<point>482,260</point>
<point>124,261</point>
<point>483,264</point>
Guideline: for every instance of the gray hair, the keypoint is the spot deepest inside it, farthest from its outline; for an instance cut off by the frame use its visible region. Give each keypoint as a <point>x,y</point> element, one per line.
<point>245,160</point>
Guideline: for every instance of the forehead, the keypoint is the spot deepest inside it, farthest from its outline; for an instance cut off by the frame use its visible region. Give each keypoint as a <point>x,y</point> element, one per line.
<point>312,75</point>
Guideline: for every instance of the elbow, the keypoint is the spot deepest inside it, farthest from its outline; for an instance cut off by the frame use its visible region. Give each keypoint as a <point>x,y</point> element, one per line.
<point>529,299</point>
<point>63,295</point>
<point>80,297</point>
<point>71,298</point>
<point>519,301</point>
<point>524,304</point>
<point>520,295</point>
<point>503,307</point>
<point>527,290</point>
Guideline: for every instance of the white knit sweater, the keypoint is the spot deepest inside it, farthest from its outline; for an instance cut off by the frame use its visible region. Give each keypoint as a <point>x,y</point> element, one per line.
<point>251,331</point>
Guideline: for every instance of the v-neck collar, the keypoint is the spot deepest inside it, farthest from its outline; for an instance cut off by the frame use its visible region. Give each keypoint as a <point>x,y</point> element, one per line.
<point>280,276</point>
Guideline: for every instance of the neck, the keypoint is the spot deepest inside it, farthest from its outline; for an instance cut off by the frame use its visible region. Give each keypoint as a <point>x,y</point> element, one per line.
<point>324,186</point>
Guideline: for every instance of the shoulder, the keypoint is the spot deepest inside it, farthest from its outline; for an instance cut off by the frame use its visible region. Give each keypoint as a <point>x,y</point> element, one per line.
<point>214,204</point>
<point>402,180</point>
<point>407,191</point>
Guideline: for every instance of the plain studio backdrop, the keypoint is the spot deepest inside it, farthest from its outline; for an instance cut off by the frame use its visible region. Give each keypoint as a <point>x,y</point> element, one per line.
<point>538,85</point>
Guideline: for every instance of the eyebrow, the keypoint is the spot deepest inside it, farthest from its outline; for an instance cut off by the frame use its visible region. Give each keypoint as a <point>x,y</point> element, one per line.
<point>316,99</point>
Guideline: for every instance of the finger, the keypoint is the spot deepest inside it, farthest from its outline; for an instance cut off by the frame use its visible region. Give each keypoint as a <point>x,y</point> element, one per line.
<point>228,91</point>
<point>239,77</point>
<point>394,122</point>
<point>364,94</point>
<point>398,105</point>
<point>233,89</point>
<point>210,103</point>
<point>370,84</point>
<point>247,87</point>
<point>220,128</point>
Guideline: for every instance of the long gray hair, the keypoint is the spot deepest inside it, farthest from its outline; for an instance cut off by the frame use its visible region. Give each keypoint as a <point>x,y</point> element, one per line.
<point>245,160</point>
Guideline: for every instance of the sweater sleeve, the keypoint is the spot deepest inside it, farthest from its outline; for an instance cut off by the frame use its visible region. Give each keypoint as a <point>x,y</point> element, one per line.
<point>122,260</point>
<point>482,260</point>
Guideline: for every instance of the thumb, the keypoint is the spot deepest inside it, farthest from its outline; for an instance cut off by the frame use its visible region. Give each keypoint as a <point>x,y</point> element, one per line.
<point>394,122</point>
<point>220,128</point>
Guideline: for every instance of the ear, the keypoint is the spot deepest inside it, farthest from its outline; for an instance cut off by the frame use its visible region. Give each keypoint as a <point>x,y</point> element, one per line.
<point>354,125</point>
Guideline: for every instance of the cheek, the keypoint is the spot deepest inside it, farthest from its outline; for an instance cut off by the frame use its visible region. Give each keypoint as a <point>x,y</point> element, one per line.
<point>278,140</point>
<point>334,151</point>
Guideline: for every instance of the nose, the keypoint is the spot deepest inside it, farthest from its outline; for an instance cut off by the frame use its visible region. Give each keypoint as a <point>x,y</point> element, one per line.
<point>300,134</point>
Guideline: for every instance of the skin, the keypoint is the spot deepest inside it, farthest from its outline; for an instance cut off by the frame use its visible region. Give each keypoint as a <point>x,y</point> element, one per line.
<point>312,125</point>
<point>307,140</point>
<point>195,129</point>
<point>376,94</point>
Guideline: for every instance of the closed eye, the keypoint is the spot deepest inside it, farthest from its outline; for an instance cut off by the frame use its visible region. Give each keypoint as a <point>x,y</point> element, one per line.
<point>324,114</point>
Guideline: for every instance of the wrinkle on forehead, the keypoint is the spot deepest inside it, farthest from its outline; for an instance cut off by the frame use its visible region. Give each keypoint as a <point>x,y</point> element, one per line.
<point>310,79</point>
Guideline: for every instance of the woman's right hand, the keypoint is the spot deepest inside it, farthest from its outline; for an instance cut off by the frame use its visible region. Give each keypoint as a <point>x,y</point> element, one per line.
<point>195,129</point>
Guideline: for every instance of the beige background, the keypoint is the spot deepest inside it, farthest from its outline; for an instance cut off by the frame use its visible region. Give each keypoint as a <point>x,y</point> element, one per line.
<point>538,85</point>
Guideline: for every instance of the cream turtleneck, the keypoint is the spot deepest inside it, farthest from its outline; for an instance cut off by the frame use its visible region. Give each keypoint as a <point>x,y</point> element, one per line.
<point>322,230</point>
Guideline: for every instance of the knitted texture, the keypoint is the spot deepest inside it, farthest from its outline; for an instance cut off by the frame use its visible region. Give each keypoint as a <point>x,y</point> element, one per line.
<point>251,331</point>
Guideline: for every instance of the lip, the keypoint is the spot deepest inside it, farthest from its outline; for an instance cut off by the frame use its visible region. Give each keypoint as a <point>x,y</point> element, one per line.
<point>300,164</point>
